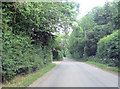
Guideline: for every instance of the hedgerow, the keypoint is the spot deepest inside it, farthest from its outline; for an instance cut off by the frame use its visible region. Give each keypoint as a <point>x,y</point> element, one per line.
<point>107,49</point>
<point>19,56</point>
<point>27,34</point>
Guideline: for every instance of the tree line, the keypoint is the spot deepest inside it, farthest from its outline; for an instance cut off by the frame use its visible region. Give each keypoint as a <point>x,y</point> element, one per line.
<point>95,36</point>
<point>29,39</point>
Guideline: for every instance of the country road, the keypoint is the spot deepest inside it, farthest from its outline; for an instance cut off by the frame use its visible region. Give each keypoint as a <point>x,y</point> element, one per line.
<point>71,73</point>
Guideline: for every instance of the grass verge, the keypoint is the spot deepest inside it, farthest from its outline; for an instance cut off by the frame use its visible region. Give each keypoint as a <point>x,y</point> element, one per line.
<point>115,69</point>
<point>26,80</point>
<point>102,66</point>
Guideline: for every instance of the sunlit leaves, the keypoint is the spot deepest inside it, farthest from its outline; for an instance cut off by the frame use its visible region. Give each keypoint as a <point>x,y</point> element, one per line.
<point>108,48</point>
<point>28,38</point>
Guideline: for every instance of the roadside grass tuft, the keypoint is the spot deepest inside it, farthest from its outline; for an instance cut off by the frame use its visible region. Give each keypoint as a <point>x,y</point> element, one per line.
<point>103,66</point>
<point>26,80</point>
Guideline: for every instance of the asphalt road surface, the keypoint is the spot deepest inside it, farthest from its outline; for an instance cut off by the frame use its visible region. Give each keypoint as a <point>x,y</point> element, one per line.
<point>71,73</point>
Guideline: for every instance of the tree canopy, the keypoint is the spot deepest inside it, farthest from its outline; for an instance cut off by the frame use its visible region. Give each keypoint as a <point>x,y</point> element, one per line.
<point>86,38</point>
<point>28,37</point>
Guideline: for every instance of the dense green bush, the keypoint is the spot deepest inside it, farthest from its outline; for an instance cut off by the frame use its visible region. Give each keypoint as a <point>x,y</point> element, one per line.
<point>67,53</point>
<point>58,48</point>
<point>57,55</point>
<point>107,49</point>
<point>19,56</point>
<point>76,43</point>
<point>27,34</point>
<point>106,61</point>
<point>96,24</point>
<point>91,39</point>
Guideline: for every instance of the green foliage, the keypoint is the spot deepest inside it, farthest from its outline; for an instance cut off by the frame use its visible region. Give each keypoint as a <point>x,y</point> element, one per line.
<point>107,13</point>
<point>64,43</point>
<point>29,43</point>
<point>98,23</point>
<point>67,53</point>
<point>26,80</point>
<point>57,49</point>
<point>57,55</point>
<point>87,22</point>
<point>19,56</point>
<point>98,36</point>
<point>108,49</point>
<point>104,66</point>
<point>27,34</point>
<point>76,43</point>
<point>118,14</point>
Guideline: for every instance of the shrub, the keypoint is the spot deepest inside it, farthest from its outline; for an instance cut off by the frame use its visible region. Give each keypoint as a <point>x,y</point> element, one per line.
<point>76,43</point>
<point>20,56</point>
<point>107,49</point>
<point>57,55</point>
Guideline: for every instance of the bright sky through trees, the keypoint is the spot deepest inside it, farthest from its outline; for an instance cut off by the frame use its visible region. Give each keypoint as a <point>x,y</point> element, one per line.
<point>87,5</point>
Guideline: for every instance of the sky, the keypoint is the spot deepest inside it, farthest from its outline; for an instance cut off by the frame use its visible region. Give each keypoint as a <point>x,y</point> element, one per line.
<point>87,5</point>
